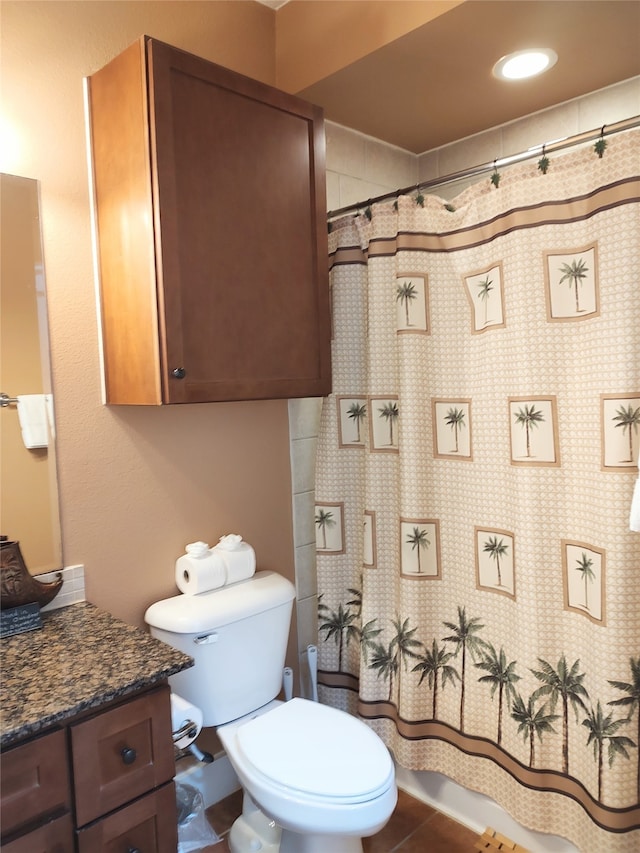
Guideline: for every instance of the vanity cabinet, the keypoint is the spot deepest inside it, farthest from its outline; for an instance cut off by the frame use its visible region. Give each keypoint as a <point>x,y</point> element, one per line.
<point>210,219</point>
<point>55,836</point>
<point>102,782</point>
<point>35,796</point>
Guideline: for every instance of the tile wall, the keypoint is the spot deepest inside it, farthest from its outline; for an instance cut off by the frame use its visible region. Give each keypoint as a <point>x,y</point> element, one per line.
<point>606,106</point>
<point>360,168</point>
<point>72,590</point>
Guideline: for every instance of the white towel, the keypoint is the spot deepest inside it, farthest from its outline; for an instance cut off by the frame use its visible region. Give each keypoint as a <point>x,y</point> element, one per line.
<point>34,422</point>
<point>634,515</point>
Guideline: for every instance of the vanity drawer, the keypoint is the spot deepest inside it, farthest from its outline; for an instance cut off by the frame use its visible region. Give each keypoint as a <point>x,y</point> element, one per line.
<point>53,837</point>
<point>147,826</point>
<point>35,782</point>
<point>122,753</point>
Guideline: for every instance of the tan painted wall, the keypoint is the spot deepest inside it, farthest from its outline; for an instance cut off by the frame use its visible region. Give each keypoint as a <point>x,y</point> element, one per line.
<point>135,484</point>
<point>315,38</point>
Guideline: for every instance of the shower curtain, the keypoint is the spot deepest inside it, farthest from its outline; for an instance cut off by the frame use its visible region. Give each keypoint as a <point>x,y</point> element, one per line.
<point>478,584</point>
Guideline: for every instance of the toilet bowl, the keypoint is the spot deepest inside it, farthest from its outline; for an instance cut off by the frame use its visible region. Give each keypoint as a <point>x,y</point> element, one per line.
<point>322,775</point>
<point>316,779</point>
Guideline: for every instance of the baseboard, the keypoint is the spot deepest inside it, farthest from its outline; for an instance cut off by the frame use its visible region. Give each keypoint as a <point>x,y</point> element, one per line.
<point>215,781</point>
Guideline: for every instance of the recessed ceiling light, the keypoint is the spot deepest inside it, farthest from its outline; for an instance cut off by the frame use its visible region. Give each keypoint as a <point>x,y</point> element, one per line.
<point>525,63</point>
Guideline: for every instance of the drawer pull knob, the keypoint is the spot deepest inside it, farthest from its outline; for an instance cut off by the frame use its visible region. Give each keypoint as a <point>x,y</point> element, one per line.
<point>132,850</point>
<point>129,755</point>
<point>179,373</point>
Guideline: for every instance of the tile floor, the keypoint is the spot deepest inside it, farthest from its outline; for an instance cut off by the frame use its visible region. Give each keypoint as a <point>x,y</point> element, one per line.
<point>413,828</point>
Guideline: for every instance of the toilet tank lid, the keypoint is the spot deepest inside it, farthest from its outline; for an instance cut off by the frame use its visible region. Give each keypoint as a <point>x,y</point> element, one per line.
<point>194,614</point>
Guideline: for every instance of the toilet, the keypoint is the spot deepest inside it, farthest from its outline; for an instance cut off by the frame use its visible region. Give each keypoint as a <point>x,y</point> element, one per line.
<point>315,779</point>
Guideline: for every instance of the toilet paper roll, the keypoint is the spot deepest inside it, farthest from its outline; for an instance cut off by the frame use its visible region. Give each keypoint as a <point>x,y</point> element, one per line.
<point>183,713</point>
<point>239,557</point>
<point>199,570</point>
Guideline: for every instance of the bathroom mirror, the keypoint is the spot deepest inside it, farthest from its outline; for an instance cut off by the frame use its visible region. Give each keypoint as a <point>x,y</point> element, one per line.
<point>29,510</point>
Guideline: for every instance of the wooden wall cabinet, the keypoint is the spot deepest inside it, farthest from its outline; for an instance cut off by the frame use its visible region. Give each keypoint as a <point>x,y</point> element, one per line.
<point>103,783</point>
<point>210,214</point>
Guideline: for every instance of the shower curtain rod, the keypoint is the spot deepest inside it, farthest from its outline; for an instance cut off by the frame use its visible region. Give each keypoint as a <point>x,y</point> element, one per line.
<point>544,148</point>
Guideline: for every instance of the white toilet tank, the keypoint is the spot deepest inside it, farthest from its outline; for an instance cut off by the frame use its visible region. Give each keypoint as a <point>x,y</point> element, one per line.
<point>237,635</point>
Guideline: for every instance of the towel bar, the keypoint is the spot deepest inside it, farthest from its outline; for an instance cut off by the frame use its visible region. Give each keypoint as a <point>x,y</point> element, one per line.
<point>6,400</point>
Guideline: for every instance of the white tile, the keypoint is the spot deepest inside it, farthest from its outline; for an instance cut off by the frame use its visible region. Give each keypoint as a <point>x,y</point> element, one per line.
<point>474,151</point>
<point>389,166</point>
<point>73,587</point>
<point>610,105</point>
<point>355,191</point>
<point>428,165</point>
<point>333,190</point>
<point>345,150</point>
<point>306,575</point>
<point>545,126</point>
<point>303,464</point>
<point>304,417</point>
<point>304,531</point>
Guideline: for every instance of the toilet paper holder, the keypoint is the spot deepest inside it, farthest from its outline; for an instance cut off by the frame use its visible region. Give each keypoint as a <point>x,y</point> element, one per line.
<point>187,729</point>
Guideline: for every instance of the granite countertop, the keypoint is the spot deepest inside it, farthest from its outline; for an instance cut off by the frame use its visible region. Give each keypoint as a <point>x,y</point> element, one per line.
<point>80,659</point>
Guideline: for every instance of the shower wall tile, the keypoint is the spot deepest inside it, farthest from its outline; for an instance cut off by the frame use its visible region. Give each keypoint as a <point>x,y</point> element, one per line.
<point>388,165</point>
<point>304,532</point>
<point>607,106</point>
<point>346,150</point>
<point>333,190</point>
<point>304,417</point>
<point>303,464</point>
<point>360,167</point>
<point>428,165</point>
<point>473,151</point>
<point>354,190</point>
<point>305,563</point>
<point>545,126</point>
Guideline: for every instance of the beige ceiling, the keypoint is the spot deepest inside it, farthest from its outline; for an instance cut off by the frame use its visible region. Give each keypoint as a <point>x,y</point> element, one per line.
<point>434,85</point>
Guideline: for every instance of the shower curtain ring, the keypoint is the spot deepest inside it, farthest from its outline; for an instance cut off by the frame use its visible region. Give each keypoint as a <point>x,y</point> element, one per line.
<point>601,143</point>
<point>495,177</point>
<point>543,162</point>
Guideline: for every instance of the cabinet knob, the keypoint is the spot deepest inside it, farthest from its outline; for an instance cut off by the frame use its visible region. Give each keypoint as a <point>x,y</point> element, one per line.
<point>128,754</point>
<point>179,373</point>
<point>133,850</point>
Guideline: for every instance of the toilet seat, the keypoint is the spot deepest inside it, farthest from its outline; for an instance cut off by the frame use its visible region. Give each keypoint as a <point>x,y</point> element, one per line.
<point>321,752</point>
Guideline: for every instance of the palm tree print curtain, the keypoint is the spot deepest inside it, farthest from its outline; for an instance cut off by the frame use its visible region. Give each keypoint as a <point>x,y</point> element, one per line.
<point>479,587</point>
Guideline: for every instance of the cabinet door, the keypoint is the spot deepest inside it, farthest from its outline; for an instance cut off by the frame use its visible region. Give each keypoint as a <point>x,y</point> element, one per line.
<point>147,826</point>
<point>35,781</point>
<point>121,754</point>
<point>240,173</point>
<point>53,837</point>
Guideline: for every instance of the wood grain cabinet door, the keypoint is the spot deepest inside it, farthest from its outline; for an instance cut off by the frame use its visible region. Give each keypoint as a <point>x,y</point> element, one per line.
<point>35,782</point>
<point>53,837</point>
<point>233,202</point>
<point>147,826</point>
<point>121,754</point>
